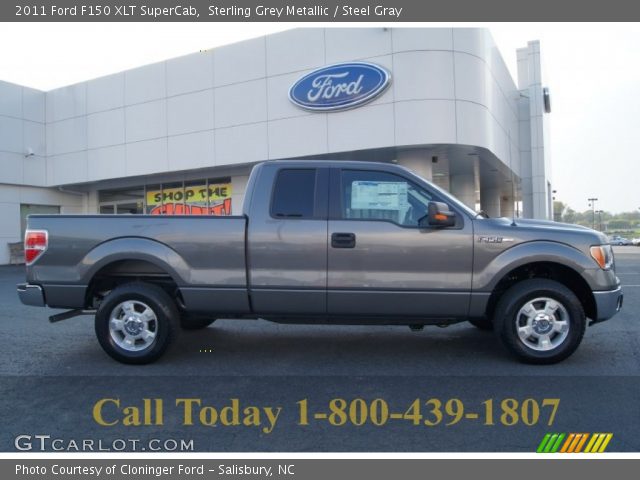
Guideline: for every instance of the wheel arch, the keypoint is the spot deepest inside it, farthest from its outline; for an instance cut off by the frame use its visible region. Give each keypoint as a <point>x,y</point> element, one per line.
<point>551,270</point>
<point>132,259</point>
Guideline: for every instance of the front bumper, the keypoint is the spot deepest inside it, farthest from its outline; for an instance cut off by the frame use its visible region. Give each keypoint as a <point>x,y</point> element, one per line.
<point>608,304</point>
<point>31,294</point>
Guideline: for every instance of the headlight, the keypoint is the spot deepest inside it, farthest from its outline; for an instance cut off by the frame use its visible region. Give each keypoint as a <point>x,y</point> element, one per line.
<point>603,255</point>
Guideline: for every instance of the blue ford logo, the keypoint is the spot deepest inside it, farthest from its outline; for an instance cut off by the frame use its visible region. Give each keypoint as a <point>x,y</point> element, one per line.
<point>338,87</point>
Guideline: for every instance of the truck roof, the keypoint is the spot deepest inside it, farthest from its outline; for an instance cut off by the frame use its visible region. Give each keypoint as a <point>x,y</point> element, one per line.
<point>325,163</point>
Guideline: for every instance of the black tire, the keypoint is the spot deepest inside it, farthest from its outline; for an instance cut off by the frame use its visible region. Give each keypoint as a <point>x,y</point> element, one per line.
<point>188,322</point>
<point>506,321</point>
<point>482,323</point>
<point>163,326</point>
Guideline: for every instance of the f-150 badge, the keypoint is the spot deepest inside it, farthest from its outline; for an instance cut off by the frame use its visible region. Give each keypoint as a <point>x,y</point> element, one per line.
<point>493,239</point>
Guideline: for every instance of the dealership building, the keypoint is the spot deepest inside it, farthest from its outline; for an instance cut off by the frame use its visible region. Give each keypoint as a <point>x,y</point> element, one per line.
<point>181,136</point>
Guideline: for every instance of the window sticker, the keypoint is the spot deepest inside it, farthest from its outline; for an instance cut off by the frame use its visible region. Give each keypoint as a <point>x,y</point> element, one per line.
<point>368,195</point>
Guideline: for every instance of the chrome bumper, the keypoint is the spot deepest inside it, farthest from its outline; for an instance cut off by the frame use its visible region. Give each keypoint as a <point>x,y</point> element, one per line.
<point>31,295</point>
<point>608,303</point>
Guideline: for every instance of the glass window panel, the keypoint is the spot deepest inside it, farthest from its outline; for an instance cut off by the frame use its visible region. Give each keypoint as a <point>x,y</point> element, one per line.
<point>373,195</point>
<point>294,194</point>
<point>196,199</point>
<point>172,199</point>
<point>153,199</point>
<point>133,195</point>
<point>219,193</point>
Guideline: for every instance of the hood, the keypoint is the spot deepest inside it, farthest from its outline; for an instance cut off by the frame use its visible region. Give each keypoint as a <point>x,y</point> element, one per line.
<point>544,229</point>
<point>530,222</point>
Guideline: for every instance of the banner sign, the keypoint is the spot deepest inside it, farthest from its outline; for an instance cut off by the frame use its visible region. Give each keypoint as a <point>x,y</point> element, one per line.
<point>190,194</point>
<point>214,199</point>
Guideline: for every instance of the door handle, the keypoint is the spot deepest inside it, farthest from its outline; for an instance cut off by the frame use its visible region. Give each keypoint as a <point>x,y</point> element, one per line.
<point>343,240</point>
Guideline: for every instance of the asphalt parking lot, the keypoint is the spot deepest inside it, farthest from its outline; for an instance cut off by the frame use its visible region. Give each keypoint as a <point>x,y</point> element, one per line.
<point>33,346</point>
<point>52,368</point>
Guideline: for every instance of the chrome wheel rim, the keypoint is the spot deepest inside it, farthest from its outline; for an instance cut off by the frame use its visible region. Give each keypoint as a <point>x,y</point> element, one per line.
<point>133,325</point>
<point>542,324</point>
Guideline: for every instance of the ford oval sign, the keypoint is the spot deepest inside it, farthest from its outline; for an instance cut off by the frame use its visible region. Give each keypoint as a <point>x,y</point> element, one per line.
<point>339,87</point>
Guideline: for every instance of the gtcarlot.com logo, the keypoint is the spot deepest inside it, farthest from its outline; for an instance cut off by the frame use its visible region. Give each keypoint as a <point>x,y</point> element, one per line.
<point>574,443</point>
<point>47,443</point>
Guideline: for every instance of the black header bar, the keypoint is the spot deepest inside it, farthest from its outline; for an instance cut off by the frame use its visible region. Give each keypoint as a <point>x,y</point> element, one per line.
<point>387,11</point>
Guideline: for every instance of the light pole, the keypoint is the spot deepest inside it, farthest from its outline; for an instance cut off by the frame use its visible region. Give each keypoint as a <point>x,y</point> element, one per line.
<point>592,204</point>
<point>557,216</point>
<point>600,212</point>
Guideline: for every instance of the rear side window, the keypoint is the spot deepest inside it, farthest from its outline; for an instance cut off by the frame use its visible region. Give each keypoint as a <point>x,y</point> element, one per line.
<point>294,194</point>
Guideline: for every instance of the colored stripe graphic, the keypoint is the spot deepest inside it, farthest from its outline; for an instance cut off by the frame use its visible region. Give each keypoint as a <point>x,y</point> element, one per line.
<point>598,443</point>
<point>556,445</point>
<point>590,444</point>
<point>578,442</point>
<point>565,447</point>
<point>543,443</point>
<point>581,443</point>
<point>574,443</point>
<point>606,441</point>
<point>551,443</point>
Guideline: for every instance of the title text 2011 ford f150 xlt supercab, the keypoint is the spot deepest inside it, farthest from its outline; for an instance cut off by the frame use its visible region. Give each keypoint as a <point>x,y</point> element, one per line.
<point>332,242</point>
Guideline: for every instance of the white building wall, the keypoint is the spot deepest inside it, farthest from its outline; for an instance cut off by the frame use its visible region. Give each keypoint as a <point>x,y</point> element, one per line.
<point>22,135</point>
<point>229,105</point>
<point>23,162</point>
<point>536,178</point>
<point>12,196</point>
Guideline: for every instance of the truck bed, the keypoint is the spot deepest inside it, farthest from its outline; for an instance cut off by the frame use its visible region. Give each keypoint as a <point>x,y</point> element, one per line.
<point>200,253</point>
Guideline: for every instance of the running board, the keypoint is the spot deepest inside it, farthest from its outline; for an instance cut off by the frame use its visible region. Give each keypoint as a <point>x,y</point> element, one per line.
<point>58,317</point>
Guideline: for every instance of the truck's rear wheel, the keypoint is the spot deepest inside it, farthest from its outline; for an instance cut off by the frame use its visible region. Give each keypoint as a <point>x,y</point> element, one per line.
<point>540,321</point>
<point>136,322</point>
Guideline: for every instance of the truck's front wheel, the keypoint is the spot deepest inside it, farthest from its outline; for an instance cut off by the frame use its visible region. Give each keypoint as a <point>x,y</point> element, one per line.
<point>540,321</point>
<point>136,322</point>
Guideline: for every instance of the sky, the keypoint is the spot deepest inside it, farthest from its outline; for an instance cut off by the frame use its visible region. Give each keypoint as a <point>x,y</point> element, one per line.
<point>592,71</point>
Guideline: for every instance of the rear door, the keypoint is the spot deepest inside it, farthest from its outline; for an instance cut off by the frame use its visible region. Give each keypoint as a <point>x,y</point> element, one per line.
<point>287,240</point>
<point>381,263</point>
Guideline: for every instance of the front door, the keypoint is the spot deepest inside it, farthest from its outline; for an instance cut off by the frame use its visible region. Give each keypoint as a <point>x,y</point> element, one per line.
<point>381,263</point>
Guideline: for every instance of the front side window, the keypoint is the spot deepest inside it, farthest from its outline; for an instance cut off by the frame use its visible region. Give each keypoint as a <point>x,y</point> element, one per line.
<point>369,195</point>
<point>294,194</point>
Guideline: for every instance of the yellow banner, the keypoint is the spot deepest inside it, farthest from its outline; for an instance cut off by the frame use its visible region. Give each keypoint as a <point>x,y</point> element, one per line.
<point>191,194</point>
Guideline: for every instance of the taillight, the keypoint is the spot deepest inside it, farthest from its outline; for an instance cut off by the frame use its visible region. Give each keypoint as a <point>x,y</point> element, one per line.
<point>35,243</point>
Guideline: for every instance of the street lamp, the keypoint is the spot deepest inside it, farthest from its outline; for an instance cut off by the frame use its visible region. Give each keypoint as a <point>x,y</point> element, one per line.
<point>592,204</point>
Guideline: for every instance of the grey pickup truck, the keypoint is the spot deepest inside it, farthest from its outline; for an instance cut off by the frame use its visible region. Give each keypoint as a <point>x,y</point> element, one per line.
<point>331,242</point>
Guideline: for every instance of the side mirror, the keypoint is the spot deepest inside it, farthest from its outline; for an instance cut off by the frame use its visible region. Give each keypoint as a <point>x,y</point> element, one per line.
<point>439,214</point>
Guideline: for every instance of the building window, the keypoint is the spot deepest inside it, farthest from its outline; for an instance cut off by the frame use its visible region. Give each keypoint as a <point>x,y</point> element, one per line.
<point>219,196</point>
<point>169,200</point>
<point>196,197</point>
<point>152,198</point>
<point>122,201</point>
